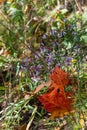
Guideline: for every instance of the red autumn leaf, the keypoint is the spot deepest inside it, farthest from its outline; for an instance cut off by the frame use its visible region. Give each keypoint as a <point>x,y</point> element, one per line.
<point>57,101</point>
<point>59,76</point>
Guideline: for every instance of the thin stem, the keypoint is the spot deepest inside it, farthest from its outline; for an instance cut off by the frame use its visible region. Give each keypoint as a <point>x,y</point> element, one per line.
<point>32,117</point>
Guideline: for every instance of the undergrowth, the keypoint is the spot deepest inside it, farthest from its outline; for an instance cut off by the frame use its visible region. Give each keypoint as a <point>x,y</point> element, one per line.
<point>36,36</point>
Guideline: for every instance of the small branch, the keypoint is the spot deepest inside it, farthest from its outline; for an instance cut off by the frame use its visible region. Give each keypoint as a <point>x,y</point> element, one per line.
<point>41,86</point>
<point>79,6</point>
<point>32,117</point>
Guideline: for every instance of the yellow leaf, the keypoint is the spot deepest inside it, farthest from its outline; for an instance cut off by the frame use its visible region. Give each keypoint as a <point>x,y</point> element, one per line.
<point>36,45</point>
<point>82,123</point>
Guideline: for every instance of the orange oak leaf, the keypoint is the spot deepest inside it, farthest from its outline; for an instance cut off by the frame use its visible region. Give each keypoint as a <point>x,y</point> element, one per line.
<point>59,76</point>
<point>57,101</point>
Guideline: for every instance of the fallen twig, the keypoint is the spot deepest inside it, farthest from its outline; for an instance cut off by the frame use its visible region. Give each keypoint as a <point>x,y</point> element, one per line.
<point>32,117</point>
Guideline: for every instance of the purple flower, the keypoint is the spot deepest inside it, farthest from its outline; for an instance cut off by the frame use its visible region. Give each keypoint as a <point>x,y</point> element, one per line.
<point>37,70</point>
<point>60,34</point>
<point>68,60</point>
<point>44,36</point>
<point>25,63</point>
<point>50,57</point>
<point>52,32</point>
<point>55,45</point>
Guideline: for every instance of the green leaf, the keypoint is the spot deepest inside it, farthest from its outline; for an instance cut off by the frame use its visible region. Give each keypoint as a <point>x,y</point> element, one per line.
<point>84,18</point>
<point>1,100</point>
<point>2,88</point>
<point>64,11</point>
<point>16,14</point>
<point>84,38</point>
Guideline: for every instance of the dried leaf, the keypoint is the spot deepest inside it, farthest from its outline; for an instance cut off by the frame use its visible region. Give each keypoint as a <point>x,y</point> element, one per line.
<point>26,96</point>
<point>57,101</point>
<point>23,127</point>
<point>41,86</point>
<point>2,1</point>
<point>59,76</point>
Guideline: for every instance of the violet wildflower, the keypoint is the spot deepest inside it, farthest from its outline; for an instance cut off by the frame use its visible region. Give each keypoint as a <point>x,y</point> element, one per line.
<point>52,32</point>
<point>25,63</point>
<point>68,61</point>
<point>37,70</point>
<point>44,36</point>
<point>60,34</point>
<point>50,59</point>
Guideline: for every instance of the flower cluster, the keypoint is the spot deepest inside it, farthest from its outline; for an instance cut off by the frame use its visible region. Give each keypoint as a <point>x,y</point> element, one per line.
<point>51,52</point>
